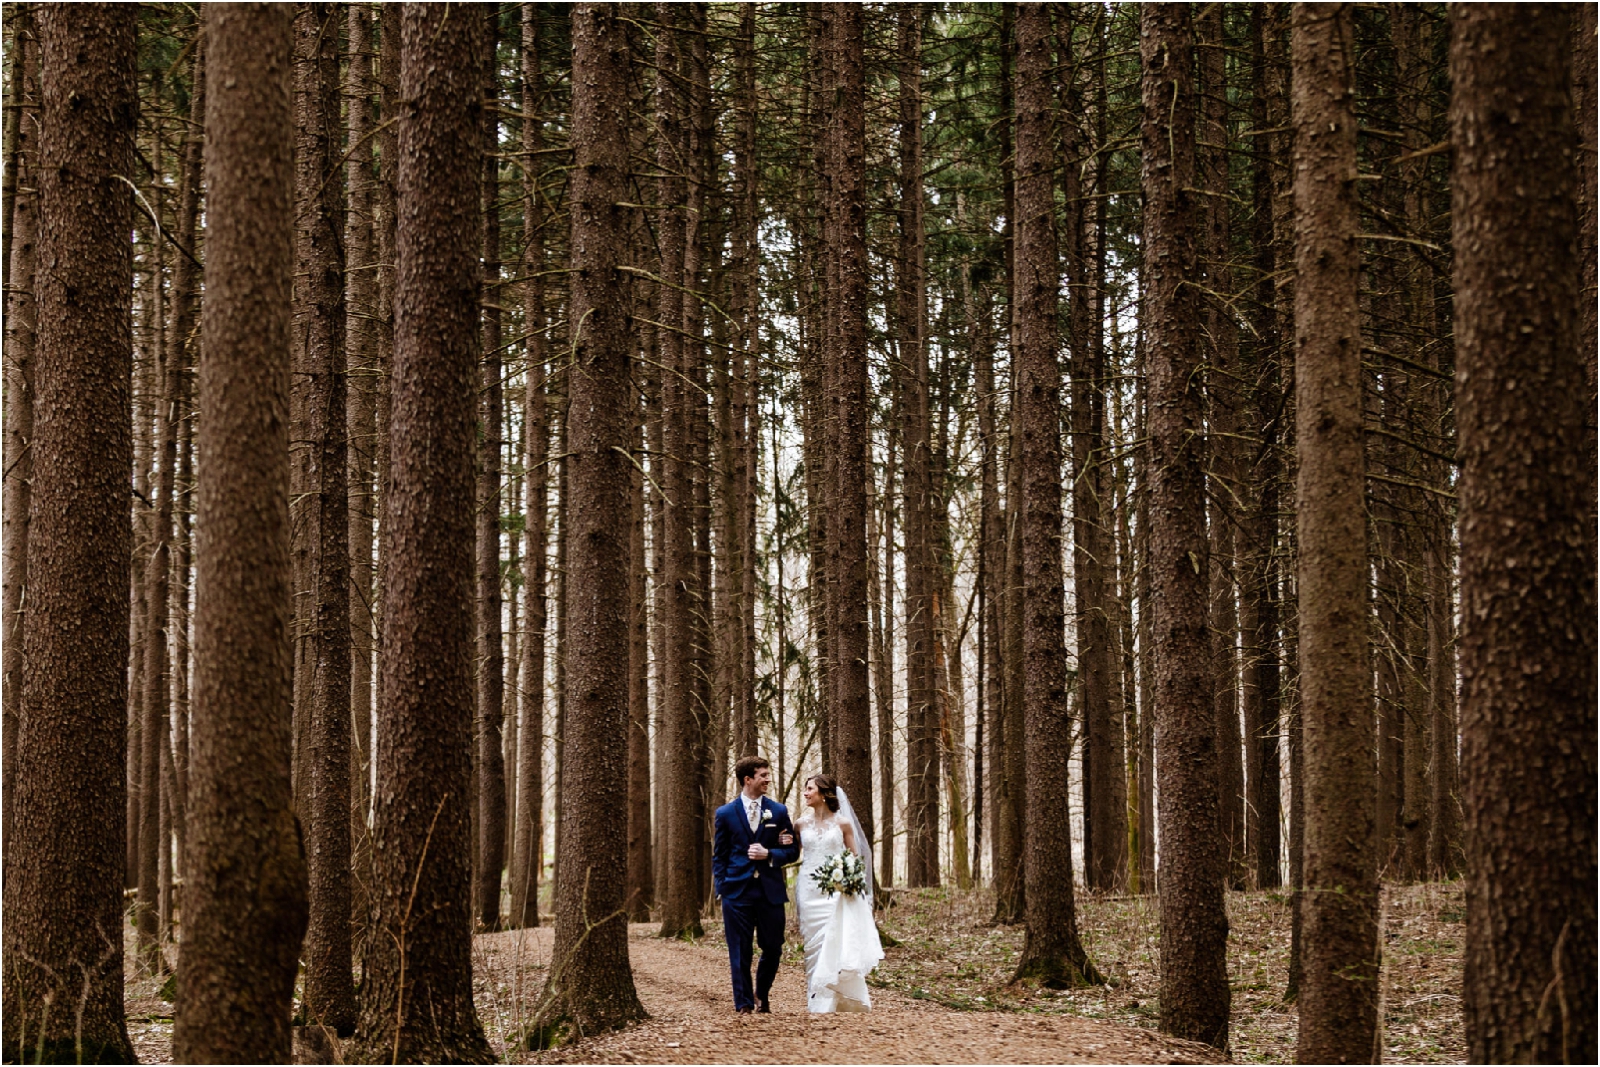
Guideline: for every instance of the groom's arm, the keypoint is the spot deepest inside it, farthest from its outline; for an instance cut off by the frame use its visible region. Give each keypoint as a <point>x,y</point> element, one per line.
<point>720,847</point>
<point>784,855</point>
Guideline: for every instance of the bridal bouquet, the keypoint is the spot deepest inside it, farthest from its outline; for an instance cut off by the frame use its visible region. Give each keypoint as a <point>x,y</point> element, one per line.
<point>842,872</point>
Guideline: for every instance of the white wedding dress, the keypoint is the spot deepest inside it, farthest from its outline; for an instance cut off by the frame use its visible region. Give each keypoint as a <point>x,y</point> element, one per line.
<point>841,939</point>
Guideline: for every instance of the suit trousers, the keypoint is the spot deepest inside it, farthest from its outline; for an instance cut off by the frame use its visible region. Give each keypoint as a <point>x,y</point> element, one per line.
<point>752,914</point>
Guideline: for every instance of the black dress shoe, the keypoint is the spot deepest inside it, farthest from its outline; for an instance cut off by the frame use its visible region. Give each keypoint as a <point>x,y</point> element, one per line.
<point>763,1007</point>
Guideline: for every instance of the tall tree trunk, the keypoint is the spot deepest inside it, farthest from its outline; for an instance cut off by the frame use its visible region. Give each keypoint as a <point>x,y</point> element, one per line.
<point>64,859</point>
<point>992,574</point>
<point>159,680</point>
<point>1104,789</point>
<point>641,864</point>
<point>361,336</point>
<point>1145,630</point>
<point>1339,998</point>
<point>245,902</point>
<point>151,651</point>
<point>1527,543</point>
<point>22,94</point>
<point>324,739</point>
<point>747,181</point>
<point>880,524</point>
<point>1584,107</point>
<point>746,311</point>
<point>591,989</point>
<point>680,906</point>
<point>1051,953</point>
<point>1222,434</point>
<point>491,796</point>
<point>1258,588</point>
<point>700,249</point>
<point>385,224</point>
<point>146,365</point>
<point>912,307</point>
<point>1194,923</point>
<point>528,855</point>
<point>1008,764</point>
<point>22,221</point>
<point>416,994</point>
<point>850,711</point>
<point>1010,884</point>
<point>1414,53</point>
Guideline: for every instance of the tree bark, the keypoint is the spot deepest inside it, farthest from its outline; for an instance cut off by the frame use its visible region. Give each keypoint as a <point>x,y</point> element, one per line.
<point>491,798</point>
<point>528,855</point>
<point>680,907</point>
<point>22,221</point>
<point>1527,544</point>
<point>65,856</point>
<point>150,648</point>
<point>416,994</point>
<point>1339,995</point>
<point>1259,615</point>
<point>641,862</point>
<point>1222,436</point>
<point>1194,923</point>
<point>850,709</point>
<point>1051,953</point>
<point>591,987</point>
<point>747,315</point>
<point>324,740</point>
<point>1010,765</point>
<point>361,342</point>
<point>245,907</point>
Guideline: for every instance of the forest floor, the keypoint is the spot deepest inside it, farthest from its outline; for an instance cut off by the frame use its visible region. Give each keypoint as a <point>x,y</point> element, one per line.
<point>942,994</point>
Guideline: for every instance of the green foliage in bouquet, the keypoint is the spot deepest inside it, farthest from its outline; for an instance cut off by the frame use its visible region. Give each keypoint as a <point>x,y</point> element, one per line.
<point>842,872</point>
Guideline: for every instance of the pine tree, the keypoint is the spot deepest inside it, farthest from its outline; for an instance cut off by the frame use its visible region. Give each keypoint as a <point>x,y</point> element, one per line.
<point>1194,924</point>
<point>590,986</point>
<point>245,908</point>
<point>64,855</point>
<point>416,993</point>
<point>324,732</point>
<point>491,772</point>
<point>850,711</point>
<point>21,235</point>
<point>1052,953</point>
<point>1338,997</point>
<point>1527,545</point>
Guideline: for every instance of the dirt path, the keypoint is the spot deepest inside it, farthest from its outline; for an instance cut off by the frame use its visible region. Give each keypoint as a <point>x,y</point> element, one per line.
<point>685,989</point>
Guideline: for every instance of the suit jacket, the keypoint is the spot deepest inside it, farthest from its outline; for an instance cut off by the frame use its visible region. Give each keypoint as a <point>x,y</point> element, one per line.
<point>733,872</point>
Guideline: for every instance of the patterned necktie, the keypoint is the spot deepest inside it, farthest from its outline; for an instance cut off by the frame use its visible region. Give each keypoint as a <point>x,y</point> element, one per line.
<point>751,807</point>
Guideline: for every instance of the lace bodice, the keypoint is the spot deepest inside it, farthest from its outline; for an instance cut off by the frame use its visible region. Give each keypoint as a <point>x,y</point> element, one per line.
<point>819,839</point>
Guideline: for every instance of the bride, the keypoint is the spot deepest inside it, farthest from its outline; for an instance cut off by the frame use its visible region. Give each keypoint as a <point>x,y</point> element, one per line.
<point>841,939</point>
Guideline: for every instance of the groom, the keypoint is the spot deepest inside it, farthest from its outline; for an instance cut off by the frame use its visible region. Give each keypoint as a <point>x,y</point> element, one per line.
<point>754,841</point>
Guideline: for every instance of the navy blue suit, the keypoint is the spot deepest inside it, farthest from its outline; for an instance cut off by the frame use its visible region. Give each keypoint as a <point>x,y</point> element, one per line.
<point>752,892</point>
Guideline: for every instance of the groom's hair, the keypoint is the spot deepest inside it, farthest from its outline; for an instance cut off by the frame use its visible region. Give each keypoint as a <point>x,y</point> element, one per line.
<point>747,768</point>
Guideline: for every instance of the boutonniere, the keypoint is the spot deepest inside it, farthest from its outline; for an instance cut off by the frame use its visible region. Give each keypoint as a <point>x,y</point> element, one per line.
<point>766,814</point>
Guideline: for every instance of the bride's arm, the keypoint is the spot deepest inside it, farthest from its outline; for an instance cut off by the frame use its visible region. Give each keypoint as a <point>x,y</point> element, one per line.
<point>849,835</point>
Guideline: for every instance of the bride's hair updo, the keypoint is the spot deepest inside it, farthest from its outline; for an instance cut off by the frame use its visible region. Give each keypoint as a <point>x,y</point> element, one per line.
<point>829,788</point>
